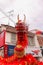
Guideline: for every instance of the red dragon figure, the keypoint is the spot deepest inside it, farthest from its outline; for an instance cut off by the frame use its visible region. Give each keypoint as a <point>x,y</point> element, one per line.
<point>22,29</point>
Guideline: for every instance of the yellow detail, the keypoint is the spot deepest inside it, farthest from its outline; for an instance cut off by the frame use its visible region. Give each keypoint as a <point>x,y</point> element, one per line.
<point>19,64</point>
<point>25,62</point>
<point>18,46</point>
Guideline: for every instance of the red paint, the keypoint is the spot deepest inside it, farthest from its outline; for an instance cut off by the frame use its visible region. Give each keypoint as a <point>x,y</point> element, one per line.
<point>5,51</point>
<point>2,38</point>
<point>38,32</point>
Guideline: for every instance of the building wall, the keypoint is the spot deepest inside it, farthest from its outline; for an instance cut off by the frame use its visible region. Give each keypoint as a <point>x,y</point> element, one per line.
<point>33,45</point>
<point>31,41</point>
<point>2,51</point>
<point>10,38</point>
<point>36,41</point>
<point>3,28</point>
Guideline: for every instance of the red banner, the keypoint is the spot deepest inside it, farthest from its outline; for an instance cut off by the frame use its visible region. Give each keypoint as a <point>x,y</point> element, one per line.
<point>2,38</point>
<point>5,51</point>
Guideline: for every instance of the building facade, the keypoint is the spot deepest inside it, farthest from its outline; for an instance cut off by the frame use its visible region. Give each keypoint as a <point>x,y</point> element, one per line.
<point>11,40</point>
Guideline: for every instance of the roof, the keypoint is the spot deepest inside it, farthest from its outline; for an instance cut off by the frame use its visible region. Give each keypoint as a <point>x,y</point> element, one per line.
<point>13,30</point>
<point>9,28</point>
<point>0,26</point>
<point>31,34</point>
<point>40,40</point>
<point>36,31</point>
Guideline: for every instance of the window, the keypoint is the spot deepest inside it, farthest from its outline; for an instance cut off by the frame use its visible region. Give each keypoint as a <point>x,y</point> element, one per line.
<point>31,41</point>
<point>13,38</point>
<point>41,50</point>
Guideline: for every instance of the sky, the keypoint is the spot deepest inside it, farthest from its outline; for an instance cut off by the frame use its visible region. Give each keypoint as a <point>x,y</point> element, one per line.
<point>33,9</point>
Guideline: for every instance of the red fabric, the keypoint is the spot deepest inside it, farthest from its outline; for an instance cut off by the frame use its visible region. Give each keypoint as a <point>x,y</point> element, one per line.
<point>19,49</point>
<point>40,63</point>
<point>26,60</point>
<point>38,32</point>
<point>23,41</point>
<point>22,62</point>
<point>31,59</point>
<point>15,63</point>
<point>2,38</point>
<point>5,51</point>
<point>36,51</point>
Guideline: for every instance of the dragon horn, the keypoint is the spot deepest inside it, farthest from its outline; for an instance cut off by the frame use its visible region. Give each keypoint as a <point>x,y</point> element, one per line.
<point>24,18</point>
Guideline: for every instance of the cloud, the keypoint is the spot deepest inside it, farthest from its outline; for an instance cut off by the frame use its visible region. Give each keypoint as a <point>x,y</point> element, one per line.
<point>33,9</point>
